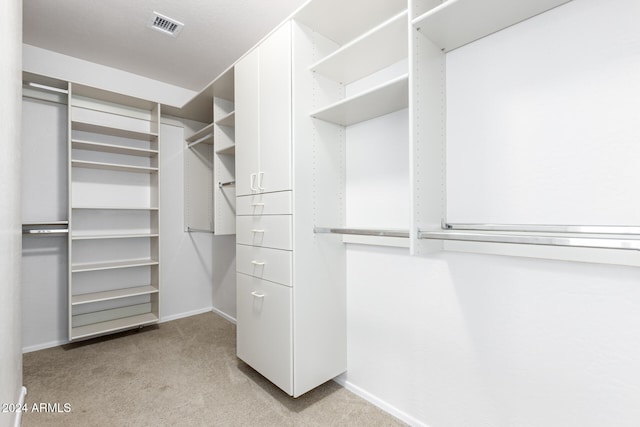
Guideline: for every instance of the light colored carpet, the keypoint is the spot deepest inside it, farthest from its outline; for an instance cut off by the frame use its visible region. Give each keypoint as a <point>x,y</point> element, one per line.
<point>179,373</point>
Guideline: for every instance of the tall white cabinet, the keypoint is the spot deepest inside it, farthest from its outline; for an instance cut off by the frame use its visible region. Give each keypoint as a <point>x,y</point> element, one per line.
<point>114,217</point>
<point>291,297</point>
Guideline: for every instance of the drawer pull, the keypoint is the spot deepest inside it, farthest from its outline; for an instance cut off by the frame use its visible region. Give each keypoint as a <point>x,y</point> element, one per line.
<point>257,204</point>
<point>257,231</point>
<point>258,263</point>
<point>257,295</point>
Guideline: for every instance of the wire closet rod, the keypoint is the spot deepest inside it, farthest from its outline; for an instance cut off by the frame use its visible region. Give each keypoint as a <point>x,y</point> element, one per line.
<point>363,231</point>
<point>541,228</point>
<point>599,242</point>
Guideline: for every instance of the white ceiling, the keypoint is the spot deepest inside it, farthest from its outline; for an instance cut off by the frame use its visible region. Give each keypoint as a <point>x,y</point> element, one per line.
<point>115,33</point>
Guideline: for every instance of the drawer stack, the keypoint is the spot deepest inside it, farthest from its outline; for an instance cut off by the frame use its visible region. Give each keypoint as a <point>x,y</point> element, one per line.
<point>264,279</point>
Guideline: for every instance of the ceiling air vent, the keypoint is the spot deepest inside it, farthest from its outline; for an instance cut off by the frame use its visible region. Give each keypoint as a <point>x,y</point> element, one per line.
<point>165,24</point>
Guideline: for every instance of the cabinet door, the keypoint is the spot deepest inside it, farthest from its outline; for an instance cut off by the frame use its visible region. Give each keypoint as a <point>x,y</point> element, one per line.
<point>275,111</point>
<point>247,107</point>
<point>264,337</point>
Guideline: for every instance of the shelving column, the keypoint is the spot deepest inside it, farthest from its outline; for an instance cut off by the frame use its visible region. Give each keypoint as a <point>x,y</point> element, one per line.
<point>114,212</point>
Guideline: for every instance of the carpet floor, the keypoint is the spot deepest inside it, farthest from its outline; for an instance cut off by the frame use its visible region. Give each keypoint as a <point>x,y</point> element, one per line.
<point>180,373</point>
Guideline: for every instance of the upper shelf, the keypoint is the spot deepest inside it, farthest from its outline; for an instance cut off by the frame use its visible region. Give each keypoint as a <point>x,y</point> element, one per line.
<point>372,51</point>
<point>113,131</point>
<point>455,23</point>
<point>204,135</point>
<point>112,148</point>
<point>343,21</point>
<point>378,101</point>
<point>228,120</point>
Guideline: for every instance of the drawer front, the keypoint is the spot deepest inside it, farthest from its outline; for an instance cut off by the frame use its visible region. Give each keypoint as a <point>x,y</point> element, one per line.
<point>264,204</point>
<point>265,263</point>
<point>264,329</point>
<point>270,231</point>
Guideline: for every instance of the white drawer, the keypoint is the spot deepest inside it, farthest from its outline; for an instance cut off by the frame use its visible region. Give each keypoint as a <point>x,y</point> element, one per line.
<point>270,231</point>
<point>265,263</point>
<point>264,204</point>
<point>264,329</point>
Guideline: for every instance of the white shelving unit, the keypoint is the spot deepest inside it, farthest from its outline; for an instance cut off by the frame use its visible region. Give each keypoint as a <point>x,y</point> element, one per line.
<point>439,27</point>
<point>210,160</point>
<point>113,212</point>
<point>359,78</point>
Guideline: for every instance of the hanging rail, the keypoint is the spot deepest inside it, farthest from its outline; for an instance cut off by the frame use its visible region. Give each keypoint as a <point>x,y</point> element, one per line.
<point>598,237</point>
<point>198,230</point>
<point>226,184</point>
<point>363,231</point>
<point>46,228</point>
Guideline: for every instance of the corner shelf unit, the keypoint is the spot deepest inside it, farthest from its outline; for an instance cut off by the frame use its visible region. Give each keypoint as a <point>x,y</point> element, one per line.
<point>210,161</point>
<point>114,215</point>
<point>358,77</point>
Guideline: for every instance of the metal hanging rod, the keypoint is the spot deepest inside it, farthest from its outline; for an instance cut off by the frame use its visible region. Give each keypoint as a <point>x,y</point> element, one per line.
<point>570,241</point>
<point>543,228</point>
<point>226,184</point>
<point>363,231</point>
<point>46,228</point>
<point>48,88</point>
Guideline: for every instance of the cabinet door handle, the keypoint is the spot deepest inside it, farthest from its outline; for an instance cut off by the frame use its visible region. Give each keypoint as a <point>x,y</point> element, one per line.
<point>260,176</point>
<point>258,263</point>
<point>257,231</point>
<point>257,295</point>
<point>257,204</point>
<point>252,184</point>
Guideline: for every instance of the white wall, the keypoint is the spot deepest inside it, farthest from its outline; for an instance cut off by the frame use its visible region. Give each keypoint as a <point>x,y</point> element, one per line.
<point>465,340</point>
<point>10,223</point>
<point>68,68</point>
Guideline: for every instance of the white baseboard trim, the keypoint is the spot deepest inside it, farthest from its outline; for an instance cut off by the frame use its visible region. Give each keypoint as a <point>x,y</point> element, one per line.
<point>164,319</point>
<point>224,315</point>
<point>402,416</point>
<point>17,422</point>
<point>44,346</point>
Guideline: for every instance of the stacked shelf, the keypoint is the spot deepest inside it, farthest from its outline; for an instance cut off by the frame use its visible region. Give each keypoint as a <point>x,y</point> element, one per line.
<point>359,82</point>
<point>114,212</point>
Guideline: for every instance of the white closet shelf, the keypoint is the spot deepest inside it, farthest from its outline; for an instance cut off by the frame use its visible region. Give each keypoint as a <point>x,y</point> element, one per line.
<point>228,120</point>
<point>112,236</point>
<point>380,47</point>
<point>112,148</point>
<point>455,23</point>
<point>113,294</point>
<point>378,101</point>
<point>125,208</point>
<point>112,166</point>
<point>111,265</point>
<point>343,21</point>
<point>113,131</point>
<point>230,149</point>
<point>113,325</point>
<point>204,135</point>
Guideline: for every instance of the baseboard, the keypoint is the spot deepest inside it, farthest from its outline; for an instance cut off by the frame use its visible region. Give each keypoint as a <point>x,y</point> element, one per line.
<point>224,315</point>
<point>402,416</point>
<point>164,319</point>
<point>44,346</point>
<point>17,422</point>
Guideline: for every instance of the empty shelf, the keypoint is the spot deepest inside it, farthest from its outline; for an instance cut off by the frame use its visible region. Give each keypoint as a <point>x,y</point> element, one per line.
<point>111,236</point>
<point>204,135</point>
<point>111,148</point>
<point>127,208</point>
<point>373,51</point>
<point>380,100</point>
<point>112,166</point>
<point>228,120</point>
<point>230,149</point>
<point>97,266</point>
<point>114,294</point>
<point>113,325</point>
<point>455,23</point>
<point>113,131</point>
